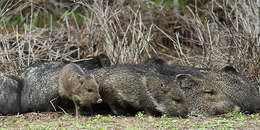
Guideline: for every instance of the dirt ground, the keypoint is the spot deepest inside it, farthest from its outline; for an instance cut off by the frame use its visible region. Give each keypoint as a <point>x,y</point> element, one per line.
<point>59,120</point>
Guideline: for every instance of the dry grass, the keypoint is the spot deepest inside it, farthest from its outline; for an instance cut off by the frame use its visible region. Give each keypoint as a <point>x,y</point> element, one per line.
<point>125,36</point>
<point>214,35</point>
<point>227,35</point>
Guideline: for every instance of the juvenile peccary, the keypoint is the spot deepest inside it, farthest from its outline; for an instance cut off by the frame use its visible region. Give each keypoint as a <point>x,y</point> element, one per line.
<point>212,92</point>
<point>40,91</point>
<point>10,90</point>
<point>76,86</point>
<point>127,91</point>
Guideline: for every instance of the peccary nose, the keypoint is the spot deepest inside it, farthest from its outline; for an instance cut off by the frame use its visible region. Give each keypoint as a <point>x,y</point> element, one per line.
<point>255,104</point>
<point>99,100</point>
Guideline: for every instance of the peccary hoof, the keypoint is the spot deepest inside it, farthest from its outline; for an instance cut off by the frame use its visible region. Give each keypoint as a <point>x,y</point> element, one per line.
<point>10,88</point>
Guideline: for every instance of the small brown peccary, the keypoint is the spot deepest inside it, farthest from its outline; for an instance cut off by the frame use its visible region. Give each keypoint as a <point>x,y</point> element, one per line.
<point>74,85</point>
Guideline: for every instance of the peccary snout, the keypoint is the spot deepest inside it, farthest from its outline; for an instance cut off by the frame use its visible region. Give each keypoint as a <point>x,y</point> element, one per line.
<point>255,104</point>
<point>99,100</point>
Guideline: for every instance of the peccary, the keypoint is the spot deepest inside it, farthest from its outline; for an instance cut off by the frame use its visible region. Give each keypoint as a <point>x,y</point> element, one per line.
<point>74,85</point>
<point>127,90</point>
<point>246,94</point>
<point>211,92</point>
<point>10,90</point>
<point>204,94</point>
<point>40,91</point>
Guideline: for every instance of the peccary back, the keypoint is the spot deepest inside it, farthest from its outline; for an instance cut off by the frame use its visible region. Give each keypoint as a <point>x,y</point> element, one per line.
<point>10,90</point>
<point>40,92</point>
<point>93,62</point>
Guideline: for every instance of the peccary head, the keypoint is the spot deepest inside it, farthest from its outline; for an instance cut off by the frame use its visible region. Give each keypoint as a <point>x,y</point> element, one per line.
<point>174,101</point>
<point>241,91</point>
<point>206,95</point>
<point>104,60</point>
<point>169,99</point>
<point>85,90</point>
<point>212,91</point>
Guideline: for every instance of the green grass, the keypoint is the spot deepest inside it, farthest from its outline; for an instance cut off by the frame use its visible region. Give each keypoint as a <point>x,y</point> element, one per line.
<point>44,19</point>
<point>47,121</point>
<point>39,17</point>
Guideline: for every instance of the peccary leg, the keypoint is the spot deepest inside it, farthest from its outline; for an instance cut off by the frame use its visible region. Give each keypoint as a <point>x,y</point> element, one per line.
<point>153,108</point>
<point>151,112</point>
<point>76,108</point>
<point>115,110</point>
<point>89,110</point>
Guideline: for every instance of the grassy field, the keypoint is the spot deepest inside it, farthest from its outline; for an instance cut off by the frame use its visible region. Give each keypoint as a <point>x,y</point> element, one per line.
<point>208,34</point>
<point>58,120</point>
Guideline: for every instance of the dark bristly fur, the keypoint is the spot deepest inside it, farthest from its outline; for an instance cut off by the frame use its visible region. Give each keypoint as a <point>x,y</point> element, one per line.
<point>128,89</point>
<point>40,91</point>
<point>10,90</point>
<point>93,62</point>
<point>211,92</point>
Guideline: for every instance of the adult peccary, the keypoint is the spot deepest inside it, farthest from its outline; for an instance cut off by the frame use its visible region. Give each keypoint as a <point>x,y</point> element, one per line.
<point>81,89</point>
<point>40,91</point>
<point>211,92</point>
<point>10,90</point>
<point>128,90</point>
<point>246,95</point>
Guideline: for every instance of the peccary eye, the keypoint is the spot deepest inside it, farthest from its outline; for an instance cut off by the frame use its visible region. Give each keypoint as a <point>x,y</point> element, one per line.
<point>90,90</point>
<point>210,92</point>
<point>178,100</point>
<point>162,85</point>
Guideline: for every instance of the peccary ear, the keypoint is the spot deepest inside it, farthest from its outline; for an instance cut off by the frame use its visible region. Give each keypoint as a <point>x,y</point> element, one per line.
<point>81,79</point>
<point>187,80</point>
<point>229,69</point>
<point>104,60</point>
